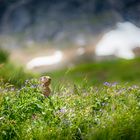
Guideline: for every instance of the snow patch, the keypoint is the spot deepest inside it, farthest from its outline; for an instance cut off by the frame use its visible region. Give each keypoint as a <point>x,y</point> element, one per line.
<point>120,41</point>
<point>45,60</point>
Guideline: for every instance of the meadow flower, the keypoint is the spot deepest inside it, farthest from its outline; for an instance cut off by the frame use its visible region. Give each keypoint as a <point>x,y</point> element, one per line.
<point>110,84</point>
<point>114,84</point>
<point>107,84</point>
<point>33,86</point>
<point>62,110</point>
<point>120,91</point>
<point>12,89</point>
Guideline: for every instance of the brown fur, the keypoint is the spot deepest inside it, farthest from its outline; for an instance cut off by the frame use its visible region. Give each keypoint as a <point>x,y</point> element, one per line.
<point>45,82</point>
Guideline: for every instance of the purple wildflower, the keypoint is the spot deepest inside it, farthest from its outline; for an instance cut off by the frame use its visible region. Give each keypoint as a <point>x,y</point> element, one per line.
<point>120,91</point>
<point>33,86</point>
<point>110,84</point>
<point>114,84</point>
<point>62,110</point>
<point>107,84</point>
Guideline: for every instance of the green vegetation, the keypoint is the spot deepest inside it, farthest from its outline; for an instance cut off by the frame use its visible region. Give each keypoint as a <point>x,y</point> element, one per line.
<point>82,106</point>
<point>14,74</point>
<point>71,112</point>
<point>122,71</point>
<point>11,73</point>
<point>4,56</point>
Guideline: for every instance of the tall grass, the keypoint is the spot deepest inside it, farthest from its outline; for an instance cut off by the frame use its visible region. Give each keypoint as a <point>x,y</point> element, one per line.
<point>81,106</point>
<point>123,71</point>
<point>71,112</point>
<point>11,73</point>
<point>4,55</point>
<point>15,75</point>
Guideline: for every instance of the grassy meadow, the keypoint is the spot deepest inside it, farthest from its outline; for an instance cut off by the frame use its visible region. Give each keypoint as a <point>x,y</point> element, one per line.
<point>96,73</point>
<point>92,101</point>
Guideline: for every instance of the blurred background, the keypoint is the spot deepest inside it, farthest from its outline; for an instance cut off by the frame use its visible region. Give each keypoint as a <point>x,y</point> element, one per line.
<point>49,35</point>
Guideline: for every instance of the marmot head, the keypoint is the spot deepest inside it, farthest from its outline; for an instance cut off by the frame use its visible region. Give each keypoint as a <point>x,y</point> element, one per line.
<point>45,81</point>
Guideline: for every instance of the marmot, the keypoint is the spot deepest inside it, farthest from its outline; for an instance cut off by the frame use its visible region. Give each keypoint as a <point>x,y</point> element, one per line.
<point>45,82</point>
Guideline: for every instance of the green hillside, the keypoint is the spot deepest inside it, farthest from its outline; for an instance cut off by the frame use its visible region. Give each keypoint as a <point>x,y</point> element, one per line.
<point>99,72</point>
<point>95,101</point>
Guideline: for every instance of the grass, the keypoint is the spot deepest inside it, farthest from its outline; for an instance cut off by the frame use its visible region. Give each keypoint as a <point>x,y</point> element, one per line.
<point>4,55</point>
<point>82,105</point>
<point>10,73</point>
<point>96,73</point>
<point>71,112</point>
<point>14,75</point>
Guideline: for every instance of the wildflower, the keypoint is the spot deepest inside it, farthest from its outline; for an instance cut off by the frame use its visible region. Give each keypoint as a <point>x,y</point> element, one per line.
<point>107,84</point>
<point>12,89</point>
<point>114,84</point>
<point>120,91</point>
<point>62,110</point>
<point>33,86</point>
